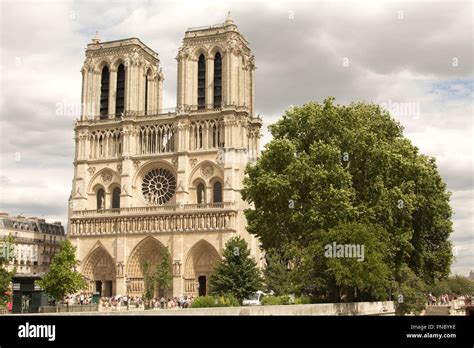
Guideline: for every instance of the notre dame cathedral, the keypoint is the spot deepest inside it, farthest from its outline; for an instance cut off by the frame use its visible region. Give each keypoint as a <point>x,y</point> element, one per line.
<point>149,180</point>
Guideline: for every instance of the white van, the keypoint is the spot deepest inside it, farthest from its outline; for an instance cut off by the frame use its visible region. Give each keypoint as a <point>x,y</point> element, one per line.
<point>255,299</point>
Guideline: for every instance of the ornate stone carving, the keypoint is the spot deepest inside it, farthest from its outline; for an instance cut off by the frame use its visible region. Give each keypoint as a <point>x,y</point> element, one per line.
<point>106,176</point>
<point>183,52</point>
<point>175,161</point>
<point>176,268</point>
<point>120,269</point>
<point>158,186</point>
<point>91,170</point>
<point>193,162</point>
<point>119,168</point>
<point>136,163</point>
<point>207,170</point>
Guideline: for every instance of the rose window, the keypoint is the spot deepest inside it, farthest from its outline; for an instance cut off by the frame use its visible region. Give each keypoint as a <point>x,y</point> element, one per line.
<point>158,186</point>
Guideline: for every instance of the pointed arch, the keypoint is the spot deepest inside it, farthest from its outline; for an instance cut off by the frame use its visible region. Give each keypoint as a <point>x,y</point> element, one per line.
<point>149,250</point>
<point>217,80</point>
<point>200,263</point>
<point>116,198</point>
<point>99,270</point>
<point>196,171</point>
<point>217,192</point>
<point>148,81</point>
<point>201,87</point>
<point>120,94</point>
<point>100,198</point>
<point>104,92</point>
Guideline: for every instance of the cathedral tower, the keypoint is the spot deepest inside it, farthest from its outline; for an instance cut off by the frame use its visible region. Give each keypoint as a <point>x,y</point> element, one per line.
<point>150,182</point>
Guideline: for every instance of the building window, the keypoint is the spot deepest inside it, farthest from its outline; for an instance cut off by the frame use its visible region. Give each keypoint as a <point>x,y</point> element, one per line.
<point>146,90</point>
<point>217,192</point>
<point>200,136</point>
<point>217,80</point>
<point>104,93</point>
<point>158,186</point>
<point>116,198</point>
<point>120,96</point>
<point>201,193</point>
<point>201,82</point>
<point>100,199</point>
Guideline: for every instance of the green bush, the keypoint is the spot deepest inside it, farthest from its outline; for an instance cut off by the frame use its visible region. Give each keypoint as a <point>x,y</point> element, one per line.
<point>227,300</point>
<point>275,300</point>
<point>303,300</point>
<point>204,302</point>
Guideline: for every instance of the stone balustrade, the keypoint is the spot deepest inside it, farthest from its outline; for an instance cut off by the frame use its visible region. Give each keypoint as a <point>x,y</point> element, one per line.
<point>188,218</point>
<point>165,208</point>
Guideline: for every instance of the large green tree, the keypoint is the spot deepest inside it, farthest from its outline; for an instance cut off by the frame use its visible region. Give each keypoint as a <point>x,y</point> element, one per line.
<point>456,285</point>
<point>237,273</point>
<point>364,274</point>
<point>330,164</point>
<point>63,279</point>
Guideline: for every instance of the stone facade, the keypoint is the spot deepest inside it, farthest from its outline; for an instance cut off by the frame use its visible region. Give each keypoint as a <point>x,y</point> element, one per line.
<point>147,179</point>
<point>36,242</point>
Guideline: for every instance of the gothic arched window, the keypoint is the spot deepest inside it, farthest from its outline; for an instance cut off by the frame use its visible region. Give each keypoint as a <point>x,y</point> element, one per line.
<point>100,195</point>
<point>217,80</point>
<point>200,132</point>
<point>215,136</point>
<point>146,90</point>
<point>217,192</point>
<point>201,82</point>
<point>120,96</point>
<point>104,92</point>
<point>201,194</point>
<point>116,198</point>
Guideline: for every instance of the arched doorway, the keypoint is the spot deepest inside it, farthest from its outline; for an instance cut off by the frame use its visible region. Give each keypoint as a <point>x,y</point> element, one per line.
<point>99,269</point>
<point>200,263</point>
<point>150,252</point>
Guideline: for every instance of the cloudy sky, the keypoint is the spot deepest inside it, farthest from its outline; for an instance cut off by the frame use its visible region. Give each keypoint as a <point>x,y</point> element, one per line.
<point>415,58</point>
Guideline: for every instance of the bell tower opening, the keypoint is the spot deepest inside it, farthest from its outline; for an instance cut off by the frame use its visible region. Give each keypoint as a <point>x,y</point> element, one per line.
<point>201,91</point>
<point>217,80</point>
<point>120,96</point>
<point>104,93</point>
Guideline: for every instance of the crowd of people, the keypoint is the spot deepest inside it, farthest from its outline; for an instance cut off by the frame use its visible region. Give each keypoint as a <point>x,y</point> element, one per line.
<point>128,302</point>
<point>79,299</point>
<point>445,299</point>
<point>122,302</point>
